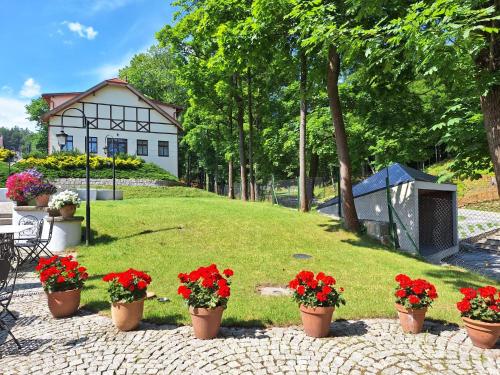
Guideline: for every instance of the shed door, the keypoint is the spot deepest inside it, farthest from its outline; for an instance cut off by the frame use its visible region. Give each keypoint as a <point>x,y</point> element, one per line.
<point>435,219</point>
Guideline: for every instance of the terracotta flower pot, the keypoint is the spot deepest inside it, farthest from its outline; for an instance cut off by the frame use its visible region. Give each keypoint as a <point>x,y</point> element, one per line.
<point>63,304</point>
<point>42,200</point>
<point>206,322</point>
<point>316,320</point>
<point>412,320</point>
<point>68,211</point>
<point>127,315</point>
<point>482,334</point>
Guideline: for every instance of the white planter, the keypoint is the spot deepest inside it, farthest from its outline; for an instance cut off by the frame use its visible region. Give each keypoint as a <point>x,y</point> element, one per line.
<point>107,194</point>
<point>65,233</point>
<point>82,194</point>
<point>3,195</point>
<point>18,212</point>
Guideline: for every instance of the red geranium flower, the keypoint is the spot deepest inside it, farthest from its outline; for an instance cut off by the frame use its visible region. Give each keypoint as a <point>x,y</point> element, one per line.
<point>413,299</point>
<point>464,305</point>
<point>228,272</point>
<point>301,290</point>
<point>401,293</point>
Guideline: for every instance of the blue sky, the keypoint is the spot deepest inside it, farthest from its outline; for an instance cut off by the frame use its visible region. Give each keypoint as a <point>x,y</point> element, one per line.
<point>69,45</point>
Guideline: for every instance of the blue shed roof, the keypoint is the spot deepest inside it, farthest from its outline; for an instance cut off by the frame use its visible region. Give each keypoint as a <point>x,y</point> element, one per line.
<point>398,174</point>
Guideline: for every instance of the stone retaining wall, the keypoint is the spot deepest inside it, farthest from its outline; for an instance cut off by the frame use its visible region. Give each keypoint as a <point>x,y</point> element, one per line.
<point>75,182</point>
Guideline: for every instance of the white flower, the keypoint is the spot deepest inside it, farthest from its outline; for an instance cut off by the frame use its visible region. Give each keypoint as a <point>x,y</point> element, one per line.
<point>64,198</point>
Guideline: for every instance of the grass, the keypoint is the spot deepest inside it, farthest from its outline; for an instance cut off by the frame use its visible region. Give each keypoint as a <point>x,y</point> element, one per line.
<point>183,228</point>
<point>485,206</point>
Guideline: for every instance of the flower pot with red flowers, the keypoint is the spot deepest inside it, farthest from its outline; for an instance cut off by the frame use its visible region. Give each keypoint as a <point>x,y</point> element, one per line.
<point>127,291</point>
<point>317,299</point>
<point>19,186</point>
<point>62,279</point>
<point>413,297</point>
<point>206,292</point>
<point>480,310</point>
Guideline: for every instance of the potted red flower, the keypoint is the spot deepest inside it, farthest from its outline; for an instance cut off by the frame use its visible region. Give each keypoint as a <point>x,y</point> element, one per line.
<point>127,291</point>
<point>480,310</point>
<point>62,279</point>
<point>206,292</point>
<point>413,297</point>
<point>317,299</point>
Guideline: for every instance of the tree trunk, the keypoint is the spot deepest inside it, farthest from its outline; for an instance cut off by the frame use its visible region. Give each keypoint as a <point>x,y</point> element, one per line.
<point>489,60</point>
<point>230,180</point>
<point>348,207</point>
<point>241,138</point>
<point>313,173</point>
<point>304,206</point>
<point>490,106</point>
<point>251,173</point>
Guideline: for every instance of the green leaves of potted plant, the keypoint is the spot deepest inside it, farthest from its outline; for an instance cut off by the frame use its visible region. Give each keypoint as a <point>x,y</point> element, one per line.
<point>62,279</point>
<point>127,291</point>
<point>66,202</point>
<point>413,297</point>
<point>317,299</point>
<point>480,310</point>
<point>206,292</point>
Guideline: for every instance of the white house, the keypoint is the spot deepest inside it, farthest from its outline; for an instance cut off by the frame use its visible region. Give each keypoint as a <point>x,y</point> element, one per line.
<point>115,109</point>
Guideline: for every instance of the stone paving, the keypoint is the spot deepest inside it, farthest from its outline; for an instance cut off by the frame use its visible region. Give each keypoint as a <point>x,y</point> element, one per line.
<point>89,344</point>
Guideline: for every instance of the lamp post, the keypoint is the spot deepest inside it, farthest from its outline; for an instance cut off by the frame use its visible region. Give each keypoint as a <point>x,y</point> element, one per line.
<point>113,151</point>
<point>62,138</point>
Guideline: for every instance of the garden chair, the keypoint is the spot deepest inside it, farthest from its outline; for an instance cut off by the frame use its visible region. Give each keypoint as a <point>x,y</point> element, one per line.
<point>27,241</point>
<point>42,244</point>
<point>8,274</point>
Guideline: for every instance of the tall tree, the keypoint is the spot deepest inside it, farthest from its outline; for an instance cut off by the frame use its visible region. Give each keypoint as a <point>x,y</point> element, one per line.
<point>35,109</point>
<point>304,205</point>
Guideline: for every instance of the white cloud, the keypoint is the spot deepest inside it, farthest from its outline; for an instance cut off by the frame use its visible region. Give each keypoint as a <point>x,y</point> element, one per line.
<point>30,89</point>
<point>13,113</point>
<point>7,90</point>
<point>87,32</point>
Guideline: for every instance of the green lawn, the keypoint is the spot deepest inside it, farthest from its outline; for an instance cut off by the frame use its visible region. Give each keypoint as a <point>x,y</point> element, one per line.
<point>189,228</point>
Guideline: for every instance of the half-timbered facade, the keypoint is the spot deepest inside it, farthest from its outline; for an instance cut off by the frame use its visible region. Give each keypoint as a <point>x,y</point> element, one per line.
<point>115,109</point>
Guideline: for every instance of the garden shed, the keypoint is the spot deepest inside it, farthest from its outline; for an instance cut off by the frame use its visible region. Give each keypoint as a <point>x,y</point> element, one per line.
<point>424,212</point>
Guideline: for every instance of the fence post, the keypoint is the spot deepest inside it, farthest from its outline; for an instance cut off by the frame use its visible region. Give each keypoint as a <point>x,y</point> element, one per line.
<point>298,193</point>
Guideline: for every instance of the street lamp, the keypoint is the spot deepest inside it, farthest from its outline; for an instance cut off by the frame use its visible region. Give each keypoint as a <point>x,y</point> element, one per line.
<point>62,138</point>
<point>113,151</point>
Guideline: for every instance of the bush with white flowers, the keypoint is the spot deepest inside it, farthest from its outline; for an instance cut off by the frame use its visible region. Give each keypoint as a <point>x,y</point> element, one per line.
<point>64,198</point>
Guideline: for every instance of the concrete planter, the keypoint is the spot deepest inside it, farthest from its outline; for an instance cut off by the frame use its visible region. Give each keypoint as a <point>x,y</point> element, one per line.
<point>65,233</point>
<point>107,194</point>
<point>82,194</point>
<point>18,212</point>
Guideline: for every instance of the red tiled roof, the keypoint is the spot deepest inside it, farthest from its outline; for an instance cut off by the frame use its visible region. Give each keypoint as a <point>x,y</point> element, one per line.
<point>117,80</point>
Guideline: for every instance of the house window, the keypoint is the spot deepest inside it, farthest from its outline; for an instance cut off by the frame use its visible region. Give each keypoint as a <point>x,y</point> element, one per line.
<point>142,147</point>
<point>120,146</point>
<point>69,144</point>
<point>162,148</point>
<point>93,145</point>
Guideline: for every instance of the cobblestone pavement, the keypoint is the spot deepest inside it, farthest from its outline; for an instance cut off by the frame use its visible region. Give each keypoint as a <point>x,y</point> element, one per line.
<point>479,261</point>
<point>89,344</point>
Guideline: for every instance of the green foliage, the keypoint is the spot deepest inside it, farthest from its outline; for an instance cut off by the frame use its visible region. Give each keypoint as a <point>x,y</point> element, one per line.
<point>35,109</point>
<point>16,138</point>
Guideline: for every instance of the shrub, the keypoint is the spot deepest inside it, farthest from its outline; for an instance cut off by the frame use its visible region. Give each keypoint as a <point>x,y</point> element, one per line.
<point>6,154</point>
<point>58,274</point>
<point>414,294</point>
<point>64,198</point>
<point>206,287</point>
<point>74,160</point>
<point>480,304</point>
<point>316,291</point>
<point>127,286</point>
